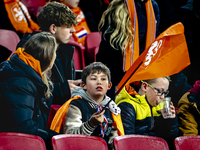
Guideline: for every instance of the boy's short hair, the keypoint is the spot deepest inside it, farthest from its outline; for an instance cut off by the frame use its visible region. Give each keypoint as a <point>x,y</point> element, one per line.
<point>150,81</point>
<point>56,13</point>
<point>95,67</point>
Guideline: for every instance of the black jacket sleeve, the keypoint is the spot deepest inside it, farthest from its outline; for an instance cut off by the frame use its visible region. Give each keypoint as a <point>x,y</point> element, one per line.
<point>128,116</point>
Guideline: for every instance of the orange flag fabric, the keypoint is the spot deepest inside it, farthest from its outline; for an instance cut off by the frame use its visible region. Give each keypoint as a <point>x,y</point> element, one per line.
<point>167,55</point>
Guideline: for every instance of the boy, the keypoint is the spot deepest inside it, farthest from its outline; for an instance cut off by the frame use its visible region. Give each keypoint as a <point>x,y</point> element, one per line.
<point>84,115</point>
<point>81,29</point>
<point>140,111</point>
<point>58,19</point>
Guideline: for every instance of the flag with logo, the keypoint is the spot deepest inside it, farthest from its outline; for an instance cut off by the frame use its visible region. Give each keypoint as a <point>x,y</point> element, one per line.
<point>167,55</point>
<point>19,16</point>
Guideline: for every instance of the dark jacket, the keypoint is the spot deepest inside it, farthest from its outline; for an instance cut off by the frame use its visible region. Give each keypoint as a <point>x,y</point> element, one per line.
<point>189,111</point>
<point>63,70</point>
<point>113,58</point>
<point>23,106</point>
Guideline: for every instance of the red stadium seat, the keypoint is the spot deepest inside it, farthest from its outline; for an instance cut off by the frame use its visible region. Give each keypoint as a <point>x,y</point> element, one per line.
<point>139,142</point>
<point>78,142</point>
<point>53,110</point>
<point>79,58</point>
<point>9,39</point>
<point>92,46</point>
<point>188,142</point>
<point>33,3</point>
<point>20,141</point>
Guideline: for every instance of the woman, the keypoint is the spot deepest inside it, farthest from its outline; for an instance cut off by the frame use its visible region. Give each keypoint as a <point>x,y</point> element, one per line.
<point>117,35</point>
<point>25,88</point>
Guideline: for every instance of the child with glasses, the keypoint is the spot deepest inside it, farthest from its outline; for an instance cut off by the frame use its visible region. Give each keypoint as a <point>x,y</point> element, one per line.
<point>140,112</point>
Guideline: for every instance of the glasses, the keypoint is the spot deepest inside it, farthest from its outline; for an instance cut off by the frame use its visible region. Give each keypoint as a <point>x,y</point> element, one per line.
<point>158,92</point>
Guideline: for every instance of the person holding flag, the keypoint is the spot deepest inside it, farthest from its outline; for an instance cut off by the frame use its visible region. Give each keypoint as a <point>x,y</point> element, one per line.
<point>147,82</point>
<point>128,27</point>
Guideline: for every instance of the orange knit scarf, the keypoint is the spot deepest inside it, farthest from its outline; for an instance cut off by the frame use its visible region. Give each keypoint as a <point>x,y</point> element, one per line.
<point>29,60</point>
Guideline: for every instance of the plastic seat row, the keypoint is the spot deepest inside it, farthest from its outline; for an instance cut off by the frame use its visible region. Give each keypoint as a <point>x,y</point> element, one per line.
<point>18,141</point>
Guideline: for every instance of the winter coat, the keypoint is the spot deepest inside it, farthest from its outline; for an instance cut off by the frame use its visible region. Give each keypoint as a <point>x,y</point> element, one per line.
<point>139,117</point>
<point>79,113</point>
<point>24,108</point>
<point>189,111</point>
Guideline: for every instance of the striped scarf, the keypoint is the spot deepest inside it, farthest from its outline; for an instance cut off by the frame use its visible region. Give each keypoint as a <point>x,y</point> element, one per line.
<point>131,54</point>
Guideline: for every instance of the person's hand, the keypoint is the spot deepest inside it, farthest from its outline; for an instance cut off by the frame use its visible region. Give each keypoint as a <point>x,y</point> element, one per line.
<point>172,110</point>
<point>74,84</point>
<point>96,118</point>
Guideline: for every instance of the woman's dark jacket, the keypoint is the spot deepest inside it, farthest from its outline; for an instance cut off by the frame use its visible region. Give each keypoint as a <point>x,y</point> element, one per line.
<point>23,106</point>
<point>63,70</point>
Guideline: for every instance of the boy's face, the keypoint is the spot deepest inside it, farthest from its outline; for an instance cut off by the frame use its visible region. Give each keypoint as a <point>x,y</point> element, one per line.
<point>162,84</point>
<point>97,85</point>
<point>63,34</point>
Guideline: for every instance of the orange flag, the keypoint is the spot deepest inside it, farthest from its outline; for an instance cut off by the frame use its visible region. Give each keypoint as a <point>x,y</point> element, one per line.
<point>167,55</point>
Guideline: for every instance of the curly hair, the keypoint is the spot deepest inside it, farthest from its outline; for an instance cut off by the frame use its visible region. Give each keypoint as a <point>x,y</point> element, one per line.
<point>119,25</point>
<point>56,13</point>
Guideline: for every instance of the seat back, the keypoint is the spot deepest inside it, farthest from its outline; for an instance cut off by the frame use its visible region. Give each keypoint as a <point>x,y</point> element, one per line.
<point>139,142</point>
<point>79,58</point>
<point>53,110</point>
<point>188,142</point>
<point>33,3</point>
<point>9,39</point>
<point>19,141</point>
<point>92,46</point>
<point>78,142</point>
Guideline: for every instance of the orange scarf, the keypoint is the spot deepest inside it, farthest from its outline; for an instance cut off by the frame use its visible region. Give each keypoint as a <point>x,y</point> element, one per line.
<point>131,54</point>
<point>29,60</point>
<point>82,29</point>
<point>19,16</point>
<point>59,117</point>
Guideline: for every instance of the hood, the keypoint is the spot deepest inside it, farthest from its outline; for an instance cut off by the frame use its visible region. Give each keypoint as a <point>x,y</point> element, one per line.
<point>196,87</point>
<point>188,5</point>
<point>125,96</point>
<point>83,94</point>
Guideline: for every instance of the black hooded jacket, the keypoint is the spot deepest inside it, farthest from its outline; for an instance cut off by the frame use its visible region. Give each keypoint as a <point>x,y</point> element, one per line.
<point>24,108</point>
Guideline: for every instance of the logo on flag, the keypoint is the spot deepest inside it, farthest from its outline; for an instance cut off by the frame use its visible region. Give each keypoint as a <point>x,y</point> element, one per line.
<point>153,53</point>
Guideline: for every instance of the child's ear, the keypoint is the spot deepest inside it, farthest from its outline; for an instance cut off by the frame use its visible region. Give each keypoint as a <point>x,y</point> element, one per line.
<point>109,85</point>
<point>144,87</point>
<point>83,85</point>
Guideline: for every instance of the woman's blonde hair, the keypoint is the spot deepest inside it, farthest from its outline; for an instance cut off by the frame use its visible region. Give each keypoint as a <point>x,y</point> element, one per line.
<point>119,25</point>
<point>42,47</point>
